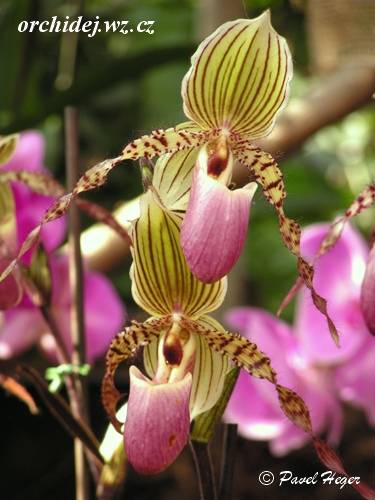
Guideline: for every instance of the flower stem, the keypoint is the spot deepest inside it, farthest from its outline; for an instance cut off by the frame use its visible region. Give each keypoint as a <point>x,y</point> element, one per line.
<point>205,471</point>
<point>79,404</point>
<point>228,461</point>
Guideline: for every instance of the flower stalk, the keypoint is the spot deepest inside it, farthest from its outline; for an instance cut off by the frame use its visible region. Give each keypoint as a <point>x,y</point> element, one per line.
<point>79,403</point>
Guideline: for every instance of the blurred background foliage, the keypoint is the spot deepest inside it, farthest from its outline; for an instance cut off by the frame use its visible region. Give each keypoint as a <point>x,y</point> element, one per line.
<point>126,85</point>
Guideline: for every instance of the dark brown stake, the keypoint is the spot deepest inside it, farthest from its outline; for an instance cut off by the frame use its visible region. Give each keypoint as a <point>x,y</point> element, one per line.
<point>228,461</point>
<point>76,286</point>
<point>205,470</point>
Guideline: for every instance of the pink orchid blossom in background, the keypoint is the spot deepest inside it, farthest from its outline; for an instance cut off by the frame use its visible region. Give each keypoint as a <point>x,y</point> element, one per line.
<point>23,325</point>
<point>368,292</point>
<point>30,207</point>
<point>320,372</point>
<point>24,210</point>
<point>256,409</point>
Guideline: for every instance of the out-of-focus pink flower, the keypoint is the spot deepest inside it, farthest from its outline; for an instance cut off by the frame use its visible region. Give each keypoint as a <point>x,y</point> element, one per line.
<point>23,326</point>
<point>338,277</point>
<point>305,357</point>
<point>368,293</point>
<point>30,207</point>
<point>256,408</point>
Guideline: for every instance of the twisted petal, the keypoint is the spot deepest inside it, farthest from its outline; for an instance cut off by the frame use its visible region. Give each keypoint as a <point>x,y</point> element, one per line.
<point>161,280</point>
<point>157,422</point>
<point>254,404</point>
<point>247,356</point>
<point>184,136</point>
<point>338,276</point>
<point>269,176</point>
<point>214,228</point>
<point>11,289</point>
<point>239,78</point>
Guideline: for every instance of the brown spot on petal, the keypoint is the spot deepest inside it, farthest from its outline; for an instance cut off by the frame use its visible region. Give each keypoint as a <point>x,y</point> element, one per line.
<point>216,165</point>
<point>172,440</point>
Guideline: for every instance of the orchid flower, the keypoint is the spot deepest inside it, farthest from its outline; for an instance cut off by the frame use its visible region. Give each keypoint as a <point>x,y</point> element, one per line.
<point>187,352</point>
<point>23,326</point>
<point>236,86</point>
<point>322,375</point>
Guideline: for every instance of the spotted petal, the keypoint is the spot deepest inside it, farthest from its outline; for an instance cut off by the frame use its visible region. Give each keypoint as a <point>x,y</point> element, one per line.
<point>239,78</point>
<point>269,176</point>
<point>162,282</point>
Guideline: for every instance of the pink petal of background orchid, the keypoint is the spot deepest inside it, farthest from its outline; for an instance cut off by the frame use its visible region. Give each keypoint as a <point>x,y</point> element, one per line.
<point>355,380</point>
<point>23,326</point>
<point>338,277</point>
<point>20,329</point>
<point>30,207</point>
<point>368,293</point>
<point>255,406</point>
<point>157,423</point>
<point>103,310</point>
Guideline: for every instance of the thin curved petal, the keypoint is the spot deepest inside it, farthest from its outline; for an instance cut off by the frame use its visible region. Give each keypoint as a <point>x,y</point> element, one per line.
<point>162,282</point>
<point>239,78</point>
<point>159,142</point>
<point>268,175</point>
<point>11,290</point>
<point>254,405</point>
<point>157,423</point>
<point>214,228</point>
<point>338,276</point>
